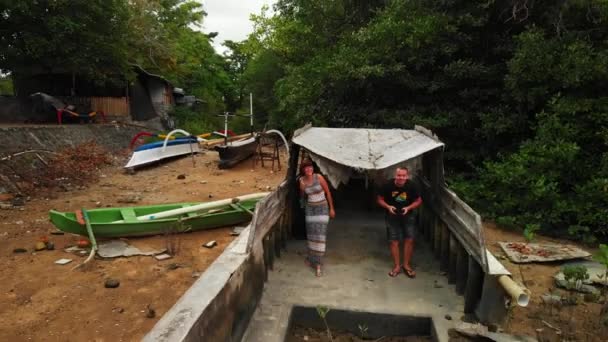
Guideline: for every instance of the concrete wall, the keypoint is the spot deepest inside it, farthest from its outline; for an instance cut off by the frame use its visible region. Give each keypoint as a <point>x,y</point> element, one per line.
<point>219,305</point>
<point>54,137</point>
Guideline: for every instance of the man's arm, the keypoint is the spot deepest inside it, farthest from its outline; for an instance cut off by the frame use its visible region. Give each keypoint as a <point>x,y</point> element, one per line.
<point>381,202</point>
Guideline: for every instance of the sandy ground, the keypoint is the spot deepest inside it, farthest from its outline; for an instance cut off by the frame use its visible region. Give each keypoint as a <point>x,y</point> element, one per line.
<point>576,322</point>
<point>42,301</point>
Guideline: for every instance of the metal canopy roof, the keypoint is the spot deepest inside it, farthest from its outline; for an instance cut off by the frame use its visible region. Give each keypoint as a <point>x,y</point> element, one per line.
<point>363,148</point>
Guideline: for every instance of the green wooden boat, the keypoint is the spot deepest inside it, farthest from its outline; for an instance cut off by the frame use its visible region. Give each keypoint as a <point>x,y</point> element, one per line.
<point>124,222</point>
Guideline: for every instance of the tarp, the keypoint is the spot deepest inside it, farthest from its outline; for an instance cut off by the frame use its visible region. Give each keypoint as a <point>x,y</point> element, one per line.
<point>338,151</point>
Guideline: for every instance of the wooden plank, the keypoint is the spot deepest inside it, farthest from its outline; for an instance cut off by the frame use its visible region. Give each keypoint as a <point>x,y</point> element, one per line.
<point>270,238</point>
<point>437,238</point>
<point>452,270</point>
<point>266,258</point>
<point>267,212</point>
<point>462,221</point>
<point>474,285</point>
<point>284,234</point>
<point>277,238</point>
<point>445,248</point>
<point>462,269</point>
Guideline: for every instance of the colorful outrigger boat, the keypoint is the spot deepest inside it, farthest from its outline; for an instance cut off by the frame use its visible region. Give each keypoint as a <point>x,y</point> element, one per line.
<point>159,150</point>
<point>157,219</point>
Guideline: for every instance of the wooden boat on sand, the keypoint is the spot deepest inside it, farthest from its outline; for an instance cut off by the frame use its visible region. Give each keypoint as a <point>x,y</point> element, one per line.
<point>234,152</point>
<point>158,219</point>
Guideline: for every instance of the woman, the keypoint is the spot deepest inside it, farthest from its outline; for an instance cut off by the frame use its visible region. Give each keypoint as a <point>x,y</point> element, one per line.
<point>319,209</point>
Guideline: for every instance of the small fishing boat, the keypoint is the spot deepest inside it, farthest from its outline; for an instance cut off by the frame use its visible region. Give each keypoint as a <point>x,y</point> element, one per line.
<point>234,152</point>
<point>157,219</point>
<point>159,150</point>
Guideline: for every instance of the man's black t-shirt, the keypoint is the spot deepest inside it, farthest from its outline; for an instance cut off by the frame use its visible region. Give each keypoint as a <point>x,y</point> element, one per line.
<point>399,196</point>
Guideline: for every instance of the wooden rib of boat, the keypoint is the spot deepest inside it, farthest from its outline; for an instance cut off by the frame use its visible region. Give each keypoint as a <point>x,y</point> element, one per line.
<point>234,152</point>
<point>124,222</point>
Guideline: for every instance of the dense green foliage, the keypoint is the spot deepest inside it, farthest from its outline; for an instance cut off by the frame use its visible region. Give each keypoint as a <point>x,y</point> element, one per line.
<point>103,39</point>
<point>6,85</point>
<point>517,90</point>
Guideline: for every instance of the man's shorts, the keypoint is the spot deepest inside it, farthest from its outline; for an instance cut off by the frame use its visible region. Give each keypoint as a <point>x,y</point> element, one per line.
<point>399,227</point>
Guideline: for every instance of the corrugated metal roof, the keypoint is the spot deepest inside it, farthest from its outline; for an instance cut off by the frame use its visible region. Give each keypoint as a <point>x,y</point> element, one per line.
<point>363,148</point>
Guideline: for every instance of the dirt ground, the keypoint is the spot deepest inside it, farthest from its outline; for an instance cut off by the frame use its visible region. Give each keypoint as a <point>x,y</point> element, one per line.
<point>42,301</point>
<point>578,322</point>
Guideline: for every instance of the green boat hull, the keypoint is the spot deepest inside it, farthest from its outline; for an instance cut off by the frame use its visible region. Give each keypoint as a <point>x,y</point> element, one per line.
<point>103,220</point>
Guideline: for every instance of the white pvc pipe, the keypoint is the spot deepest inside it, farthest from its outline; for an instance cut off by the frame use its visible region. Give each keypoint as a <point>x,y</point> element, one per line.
<point>519,295</point>
<point>171,133</point>
<point>282,137</point>
<point>197,207</point>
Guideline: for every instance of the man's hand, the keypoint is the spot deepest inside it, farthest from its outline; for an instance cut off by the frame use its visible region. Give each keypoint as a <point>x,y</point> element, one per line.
<point>404,211</point>
<point>392,210</point>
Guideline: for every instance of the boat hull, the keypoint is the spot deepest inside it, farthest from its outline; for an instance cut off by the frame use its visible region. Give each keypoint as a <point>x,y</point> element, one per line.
<point>235,152</point>
<point>155,152</point>
<point>104,225</point>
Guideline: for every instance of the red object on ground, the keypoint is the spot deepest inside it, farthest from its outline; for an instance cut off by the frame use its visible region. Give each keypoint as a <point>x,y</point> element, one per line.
<point>137,136</point>
<point>230,132</point>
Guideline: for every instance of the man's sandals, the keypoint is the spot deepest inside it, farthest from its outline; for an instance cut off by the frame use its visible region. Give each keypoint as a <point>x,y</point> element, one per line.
<point>409,272</point>
<point>394,272</point>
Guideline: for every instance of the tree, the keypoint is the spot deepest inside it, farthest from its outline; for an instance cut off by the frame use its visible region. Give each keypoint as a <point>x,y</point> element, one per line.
<point>78,37</point>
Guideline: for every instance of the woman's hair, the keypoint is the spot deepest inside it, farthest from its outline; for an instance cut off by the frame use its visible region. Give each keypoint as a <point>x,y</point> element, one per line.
<point>305,163</point>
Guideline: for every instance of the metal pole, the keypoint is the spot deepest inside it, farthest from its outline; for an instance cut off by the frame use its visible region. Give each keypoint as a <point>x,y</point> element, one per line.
<point>226,128</point>
<point>251,112</point>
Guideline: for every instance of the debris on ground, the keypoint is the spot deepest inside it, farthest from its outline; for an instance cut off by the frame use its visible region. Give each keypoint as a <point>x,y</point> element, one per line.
<point>236,231</point>
<point>40,246</point>
<point>120,248</point>
<point>210,244</point>
<point>63,261</point>
<point>480,332</point>
<point>150,313</point>
<point>57,232</point>
<point>129,199</point>
<point>111,283</point>
<point>19,250</point>
<point>173,266</point>
<point>552,299</point>
<point>182,176</point>
<point>162,257</point>
<point>196,274</point>
<point>521,252</point>
<point>50,246</point>
<point>579,287</point>
<point>73,249</point>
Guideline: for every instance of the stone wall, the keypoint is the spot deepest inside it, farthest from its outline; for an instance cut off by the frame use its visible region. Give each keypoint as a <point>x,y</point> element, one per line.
<point>14,139</point>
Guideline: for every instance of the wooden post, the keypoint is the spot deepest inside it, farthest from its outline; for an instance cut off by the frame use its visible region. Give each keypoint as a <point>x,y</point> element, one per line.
<point>462,269</point>
<point>445,248</point>
<point>277,237</point>
<point>474,285</point>
<point>271,249</point>
<point>431,234</point>
<point>266,258</point>
<point>452,270</point>
<point>437,237</point>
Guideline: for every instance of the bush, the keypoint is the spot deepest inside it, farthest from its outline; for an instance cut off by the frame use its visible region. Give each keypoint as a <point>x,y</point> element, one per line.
<point>196,122</point>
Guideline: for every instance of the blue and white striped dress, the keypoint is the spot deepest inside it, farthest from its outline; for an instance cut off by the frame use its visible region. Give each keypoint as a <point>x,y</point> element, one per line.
<point>317,218</point>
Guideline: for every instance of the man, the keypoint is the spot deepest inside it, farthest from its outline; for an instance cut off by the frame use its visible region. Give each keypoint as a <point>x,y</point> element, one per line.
<point>400,197</point>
